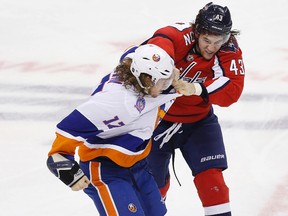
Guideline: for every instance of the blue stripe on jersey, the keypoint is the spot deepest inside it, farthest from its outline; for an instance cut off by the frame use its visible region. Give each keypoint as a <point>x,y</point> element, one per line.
<point>78,125</point>
<point>100,86</point>
<point>128,51</point>
<point>126,141</point>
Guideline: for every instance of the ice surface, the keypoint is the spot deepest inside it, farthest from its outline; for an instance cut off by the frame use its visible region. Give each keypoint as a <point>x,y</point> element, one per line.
<point>54,52</point>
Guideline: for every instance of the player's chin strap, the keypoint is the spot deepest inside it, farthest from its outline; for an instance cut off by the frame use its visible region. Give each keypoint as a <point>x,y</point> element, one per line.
<point>167,136</point>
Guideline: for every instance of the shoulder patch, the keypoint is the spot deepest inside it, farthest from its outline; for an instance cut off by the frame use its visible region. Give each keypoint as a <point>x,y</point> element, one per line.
<point>140,104</point>
<point>231,46</point>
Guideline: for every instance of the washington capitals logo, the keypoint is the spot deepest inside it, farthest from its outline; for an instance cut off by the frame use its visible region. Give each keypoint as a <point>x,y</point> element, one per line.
<point>156,58</point>
<point>140,104</point>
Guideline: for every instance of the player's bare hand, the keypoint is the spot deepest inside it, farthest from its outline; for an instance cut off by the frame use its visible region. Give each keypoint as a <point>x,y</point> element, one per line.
<point>81,184</point>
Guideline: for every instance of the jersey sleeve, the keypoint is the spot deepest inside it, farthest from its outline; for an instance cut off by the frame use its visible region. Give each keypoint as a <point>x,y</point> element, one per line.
<point>176,39</point>
<point>227,85</point>
<point>165,43</point>
<point>71,133</point>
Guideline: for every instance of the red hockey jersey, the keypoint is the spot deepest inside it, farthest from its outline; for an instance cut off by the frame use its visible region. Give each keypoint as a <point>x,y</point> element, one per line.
<point>223,75</point>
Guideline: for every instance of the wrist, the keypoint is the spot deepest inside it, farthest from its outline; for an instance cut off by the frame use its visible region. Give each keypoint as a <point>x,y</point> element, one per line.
<point>198,89</point>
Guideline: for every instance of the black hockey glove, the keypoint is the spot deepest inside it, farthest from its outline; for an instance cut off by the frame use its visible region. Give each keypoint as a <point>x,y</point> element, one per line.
<point>66,170</point>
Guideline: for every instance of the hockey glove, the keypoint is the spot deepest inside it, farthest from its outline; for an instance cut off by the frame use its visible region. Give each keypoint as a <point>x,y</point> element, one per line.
<point>189,89</point>
<point>186,88</point>
<point>68,171</point>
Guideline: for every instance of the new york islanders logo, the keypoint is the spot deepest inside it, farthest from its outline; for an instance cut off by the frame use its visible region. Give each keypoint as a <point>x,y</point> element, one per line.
<point>156,57</point>
<point>132,207</point>
<point>140,104</point>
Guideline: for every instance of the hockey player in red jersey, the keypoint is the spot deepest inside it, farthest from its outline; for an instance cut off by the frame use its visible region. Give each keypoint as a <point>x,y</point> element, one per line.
<point>207,54</point>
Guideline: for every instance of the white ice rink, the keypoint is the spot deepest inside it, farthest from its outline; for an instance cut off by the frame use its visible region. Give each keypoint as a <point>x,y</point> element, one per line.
<point>52,53</point>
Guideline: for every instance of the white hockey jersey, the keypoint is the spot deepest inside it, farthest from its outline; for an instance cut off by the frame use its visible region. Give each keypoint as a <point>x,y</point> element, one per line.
<point>115,122</point>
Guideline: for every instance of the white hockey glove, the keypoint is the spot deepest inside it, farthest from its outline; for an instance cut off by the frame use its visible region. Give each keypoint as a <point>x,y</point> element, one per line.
<point>68,171</point>
<point>186,88</point>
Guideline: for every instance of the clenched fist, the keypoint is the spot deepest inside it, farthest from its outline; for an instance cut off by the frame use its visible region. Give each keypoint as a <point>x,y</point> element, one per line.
<point>183,87</point>
<point>81,184</point>
<point>186,88</point>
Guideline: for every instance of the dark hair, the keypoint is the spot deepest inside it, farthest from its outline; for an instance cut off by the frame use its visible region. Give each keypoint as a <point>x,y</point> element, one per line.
<point>129,80</point>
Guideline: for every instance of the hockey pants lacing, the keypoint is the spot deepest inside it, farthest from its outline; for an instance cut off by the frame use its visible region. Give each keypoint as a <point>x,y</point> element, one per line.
<point>167,136</point>
<point>168,133</point>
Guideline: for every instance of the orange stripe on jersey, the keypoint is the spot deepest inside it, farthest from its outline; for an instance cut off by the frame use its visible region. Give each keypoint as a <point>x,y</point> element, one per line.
<point>118,157</point>
<point>161,114</point>
<point>103,189</point>
<point>64,145</point>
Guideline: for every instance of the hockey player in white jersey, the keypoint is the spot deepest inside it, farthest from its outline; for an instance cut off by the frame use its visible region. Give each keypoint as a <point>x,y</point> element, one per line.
<point>112,132</point>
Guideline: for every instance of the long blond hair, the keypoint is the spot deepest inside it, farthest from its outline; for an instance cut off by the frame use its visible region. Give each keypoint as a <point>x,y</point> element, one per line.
<point>129,80</point>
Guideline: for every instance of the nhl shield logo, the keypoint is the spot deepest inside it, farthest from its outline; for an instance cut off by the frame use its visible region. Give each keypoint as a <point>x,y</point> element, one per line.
<point>132,207</point>
<point>190,58</point>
